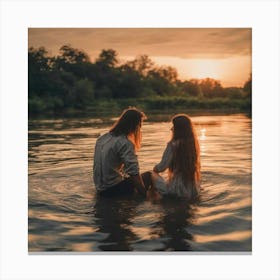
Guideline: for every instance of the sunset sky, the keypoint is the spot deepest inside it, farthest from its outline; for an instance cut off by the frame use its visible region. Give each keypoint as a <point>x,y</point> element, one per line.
<point>220,53</point>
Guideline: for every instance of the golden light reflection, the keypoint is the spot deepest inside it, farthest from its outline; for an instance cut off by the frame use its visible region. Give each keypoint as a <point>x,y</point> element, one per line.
<point>232,236</point>
<point>53,216</point>
<point>40,238</point>
<point>207,211</point>
<point>82,247</point>
<point>202,138</point>
<point>202,134</point>
<point>211,218</point>
<point>144,233</point>
<point>80,230</point>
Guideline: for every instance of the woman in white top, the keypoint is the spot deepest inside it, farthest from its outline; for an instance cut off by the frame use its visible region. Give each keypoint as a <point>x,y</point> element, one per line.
<point>182,160</point>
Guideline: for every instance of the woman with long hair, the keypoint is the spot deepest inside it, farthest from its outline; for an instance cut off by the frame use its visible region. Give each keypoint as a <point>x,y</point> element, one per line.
<point>182,160</point>
<point>116,167</point>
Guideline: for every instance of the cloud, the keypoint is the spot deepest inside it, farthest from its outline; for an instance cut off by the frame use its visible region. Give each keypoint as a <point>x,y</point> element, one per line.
<point>211,43</point>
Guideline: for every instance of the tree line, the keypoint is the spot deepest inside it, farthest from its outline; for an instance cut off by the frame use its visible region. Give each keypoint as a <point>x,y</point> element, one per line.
<point>71,80</point>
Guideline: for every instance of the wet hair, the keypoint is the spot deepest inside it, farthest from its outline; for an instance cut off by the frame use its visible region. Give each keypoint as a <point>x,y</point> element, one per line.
<point>129,124</point>
<point>186,154</point>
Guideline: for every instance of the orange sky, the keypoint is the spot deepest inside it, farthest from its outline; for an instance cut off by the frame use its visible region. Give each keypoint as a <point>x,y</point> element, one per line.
<point>220,53</point>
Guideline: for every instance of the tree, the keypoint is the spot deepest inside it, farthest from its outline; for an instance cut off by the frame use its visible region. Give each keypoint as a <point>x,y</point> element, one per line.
<point>248,86</point>
<point>83,92</point>
<point>70,55</point>
<point>157,83</point>
<point>104,92</point>
<point>211,88</point>
<point>168,73</point>
<point>72,60</point>
<point>189,88</point>
<point>142,64</point>
<point>234,92</point>
<point>38,70</point>
<point>38,59</point>
<point>107,58</point>
<point>129,83</point>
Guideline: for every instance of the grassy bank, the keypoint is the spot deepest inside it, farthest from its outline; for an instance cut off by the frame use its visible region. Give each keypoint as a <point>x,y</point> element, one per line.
<point>104,107</point>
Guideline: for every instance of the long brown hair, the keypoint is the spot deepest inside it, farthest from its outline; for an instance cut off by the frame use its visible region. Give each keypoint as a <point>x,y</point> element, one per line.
<point>186,154</point>
<point>129,124</point>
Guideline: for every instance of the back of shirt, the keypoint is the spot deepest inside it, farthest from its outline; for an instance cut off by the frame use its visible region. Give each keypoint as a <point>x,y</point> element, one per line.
<point>114,157</point>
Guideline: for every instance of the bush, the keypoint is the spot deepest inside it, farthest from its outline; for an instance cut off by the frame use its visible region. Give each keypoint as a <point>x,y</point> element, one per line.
<point>36,105</point>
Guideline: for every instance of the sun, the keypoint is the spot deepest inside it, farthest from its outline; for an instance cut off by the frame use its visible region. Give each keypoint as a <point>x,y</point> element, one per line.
<point>205,68</point>
<point>231,71</point>
<point>195,68</point>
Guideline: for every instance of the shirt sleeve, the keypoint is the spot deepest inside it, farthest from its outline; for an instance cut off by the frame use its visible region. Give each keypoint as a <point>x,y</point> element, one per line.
<point>166,159</point>
<point>128,157</point>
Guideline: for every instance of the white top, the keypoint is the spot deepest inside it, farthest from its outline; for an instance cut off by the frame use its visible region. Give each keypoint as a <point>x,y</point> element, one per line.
<point>174,186</point>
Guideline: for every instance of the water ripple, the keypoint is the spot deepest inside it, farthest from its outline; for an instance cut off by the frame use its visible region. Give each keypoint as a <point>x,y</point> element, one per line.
<point>66,215</point>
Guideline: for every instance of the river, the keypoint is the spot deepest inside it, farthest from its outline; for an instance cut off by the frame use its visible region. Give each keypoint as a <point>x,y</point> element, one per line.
<point>65,215</point>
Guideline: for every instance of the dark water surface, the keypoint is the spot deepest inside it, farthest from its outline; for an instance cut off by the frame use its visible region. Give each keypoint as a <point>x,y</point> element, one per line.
<point>65,214</point>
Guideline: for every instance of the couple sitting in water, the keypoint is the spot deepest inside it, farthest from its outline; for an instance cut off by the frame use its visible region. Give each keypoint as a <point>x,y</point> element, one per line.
<point>116,167</point>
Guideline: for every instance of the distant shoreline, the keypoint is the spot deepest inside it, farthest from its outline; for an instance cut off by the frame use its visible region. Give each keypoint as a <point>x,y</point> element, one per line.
<point>158,105</point>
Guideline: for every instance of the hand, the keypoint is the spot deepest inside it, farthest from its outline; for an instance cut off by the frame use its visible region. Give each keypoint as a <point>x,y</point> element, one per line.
<point>139,184</point>
<point>153,195</point>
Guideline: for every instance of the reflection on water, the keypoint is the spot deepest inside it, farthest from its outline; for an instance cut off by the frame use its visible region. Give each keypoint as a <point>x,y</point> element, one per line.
<point>127,225</point>
<point>65,214</point>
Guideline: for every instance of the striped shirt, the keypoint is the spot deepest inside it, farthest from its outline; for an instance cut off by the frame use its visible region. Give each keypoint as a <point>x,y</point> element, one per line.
<point>114,160</point>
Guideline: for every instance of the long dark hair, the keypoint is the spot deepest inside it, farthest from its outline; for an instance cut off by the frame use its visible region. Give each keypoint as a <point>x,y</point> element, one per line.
<point>186,155</point>
<point>129,124</point>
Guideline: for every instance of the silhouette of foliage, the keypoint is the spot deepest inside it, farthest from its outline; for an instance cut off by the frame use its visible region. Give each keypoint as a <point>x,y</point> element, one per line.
<point>248,86</point>
<point>71,81</point>
<point>107,58</point>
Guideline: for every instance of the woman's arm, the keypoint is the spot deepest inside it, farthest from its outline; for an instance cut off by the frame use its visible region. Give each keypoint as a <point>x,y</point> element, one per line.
<point>165,160</point>
<point>139,184</point>
<point>131,165</point>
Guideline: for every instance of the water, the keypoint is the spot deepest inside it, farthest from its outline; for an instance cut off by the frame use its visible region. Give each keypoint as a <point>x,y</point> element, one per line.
<point>65,214</point>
